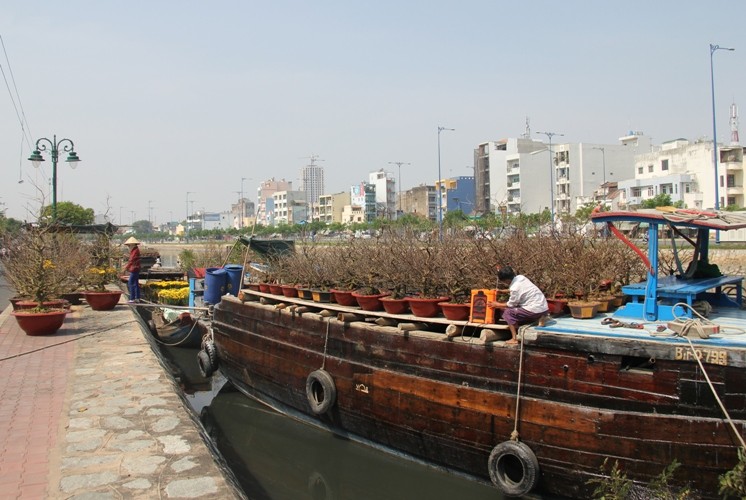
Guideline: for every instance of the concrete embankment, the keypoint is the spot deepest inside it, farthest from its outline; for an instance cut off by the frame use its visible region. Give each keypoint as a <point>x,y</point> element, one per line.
<point>90,412</point>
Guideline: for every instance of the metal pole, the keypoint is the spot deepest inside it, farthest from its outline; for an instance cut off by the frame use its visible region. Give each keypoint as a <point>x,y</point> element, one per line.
<point>399,164</point>
<point>439,183</point>
<point>603,155</point>
<point>55,156</point>
<point>241,202</point>
<point>713,49</point>
<point>551,171</point>
<point>186,221</point>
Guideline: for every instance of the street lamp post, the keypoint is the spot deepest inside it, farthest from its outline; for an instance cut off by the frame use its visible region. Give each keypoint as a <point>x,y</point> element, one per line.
<point>66,146</point>
<point>713,49</point>
<point>603,155</point>
<point>243,209</point>
<point>186,221</point>
<point>551,170</point>
<point>440,198</point>
<point>399,164</point>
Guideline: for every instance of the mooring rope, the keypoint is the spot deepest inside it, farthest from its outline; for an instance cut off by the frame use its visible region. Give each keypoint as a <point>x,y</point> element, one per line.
<point>697,324</point>
<point>514,434</point>
<point>326,342</point>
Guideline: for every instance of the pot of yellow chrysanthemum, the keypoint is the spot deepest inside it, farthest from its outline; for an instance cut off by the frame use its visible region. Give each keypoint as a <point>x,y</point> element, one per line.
<point>100,274</point>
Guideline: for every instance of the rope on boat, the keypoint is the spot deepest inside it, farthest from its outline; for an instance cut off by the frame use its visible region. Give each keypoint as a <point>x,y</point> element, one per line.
<point>698,325</point>
<point>194,324</point>
<point>326,342</point>
<point>514,435</point>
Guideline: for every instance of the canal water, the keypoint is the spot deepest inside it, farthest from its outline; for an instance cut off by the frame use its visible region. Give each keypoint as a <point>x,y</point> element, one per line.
<point>275,457</point>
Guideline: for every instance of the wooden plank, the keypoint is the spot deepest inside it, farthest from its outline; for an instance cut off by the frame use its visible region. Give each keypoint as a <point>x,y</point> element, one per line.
<point>409,318</point>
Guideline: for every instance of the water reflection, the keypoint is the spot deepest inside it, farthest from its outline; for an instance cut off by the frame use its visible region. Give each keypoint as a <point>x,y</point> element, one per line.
<point>275,457</point>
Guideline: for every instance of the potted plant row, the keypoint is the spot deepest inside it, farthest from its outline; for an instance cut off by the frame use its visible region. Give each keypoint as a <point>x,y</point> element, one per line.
<point>399,271</point>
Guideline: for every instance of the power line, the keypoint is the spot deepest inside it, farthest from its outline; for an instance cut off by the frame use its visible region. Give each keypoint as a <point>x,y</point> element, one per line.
<point>22,115</point>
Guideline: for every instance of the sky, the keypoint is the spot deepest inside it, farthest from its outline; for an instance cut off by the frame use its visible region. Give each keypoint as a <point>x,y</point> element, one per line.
<point>162,98</point>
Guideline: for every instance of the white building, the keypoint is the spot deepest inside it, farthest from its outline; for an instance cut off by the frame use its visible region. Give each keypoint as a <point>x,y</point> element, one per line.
<point>265,205</point>
<point>685,171</point>
<point>385,187</point>
<point>523,175</point>
<point>289,207</point>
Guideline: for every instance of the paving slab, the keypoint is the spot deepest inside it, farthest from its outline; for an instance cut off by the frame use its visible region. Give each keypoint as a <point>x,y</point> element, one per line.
<point>90,412</point>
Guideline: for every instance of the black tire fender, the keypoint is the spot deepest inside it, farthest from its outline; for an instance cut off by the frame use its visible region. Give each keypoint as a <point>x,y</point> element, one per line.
<point>212,352</point>
<point>513,468</point>
<point>320,391</point>
<point>206,367</point>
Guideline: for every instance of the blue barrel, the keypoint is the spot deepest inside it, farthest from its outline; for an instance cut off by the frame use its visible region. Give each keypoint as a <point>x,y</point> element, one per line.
<point>235,278</point>
<point>215,284</point>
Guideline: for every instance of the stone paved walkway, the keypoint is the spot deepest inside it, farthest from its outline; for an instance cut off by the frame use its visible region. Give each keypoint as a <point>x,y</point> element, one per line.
<point>90,413</point>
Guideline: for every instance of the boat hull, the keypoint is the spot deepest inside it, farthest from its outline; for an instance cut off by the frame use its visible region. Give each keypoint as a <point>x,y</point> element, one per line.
<point>450,403</point>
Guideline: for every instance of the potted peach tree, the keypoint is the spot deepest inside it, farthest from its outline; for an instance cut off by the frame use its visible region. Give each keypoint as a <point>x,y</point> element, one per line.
<point>40,265</point>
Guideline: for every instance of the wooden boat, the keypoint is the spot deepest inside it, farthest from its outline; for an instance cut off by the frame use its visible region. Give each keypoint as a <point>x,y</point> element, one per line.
<point>184,330</point>
<point>543,416</point>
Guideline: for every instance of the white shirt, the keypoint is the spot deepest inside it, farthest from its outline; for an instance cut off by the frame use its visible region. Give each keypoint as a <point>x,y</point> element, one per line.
<point>525,294</point>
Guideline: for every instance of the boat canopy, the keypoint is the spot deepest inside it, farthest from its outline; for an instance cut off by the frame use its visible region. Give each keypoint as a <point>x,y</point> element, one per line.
<point>673,296</point>
<point>269,248</point>
<point>696,219</point>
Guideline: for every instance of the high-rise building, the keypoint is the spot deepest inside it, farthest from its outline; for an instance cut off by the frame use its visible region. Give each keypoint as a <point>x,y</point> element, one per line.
<point>312,176</point>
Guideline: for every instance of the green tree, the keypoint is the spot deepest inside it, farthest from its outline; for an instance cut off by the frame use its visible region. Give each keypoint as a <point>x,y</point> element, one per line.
<point>9,225</point>
<point>69,213</point>
<point>455,218</point>
<point>142,227</point>
<point>661,200</point>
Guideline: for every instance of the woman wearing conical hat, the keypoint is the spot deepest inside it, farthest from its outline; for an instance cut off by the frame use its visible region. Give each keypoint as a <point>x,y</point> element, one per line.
<point>133,267</point>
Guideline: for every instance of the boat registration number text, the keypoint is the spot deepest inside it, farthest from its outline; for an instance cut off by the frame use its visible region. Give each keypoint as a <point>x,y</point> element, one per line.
<point>712,356</point>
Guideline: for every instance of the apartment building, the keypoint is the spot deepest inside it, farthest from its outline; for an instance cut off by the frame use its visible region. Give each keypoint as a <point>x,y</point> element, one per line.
<point>685,171</point>
<point>421,201</point>
<point>385,189</point>
<point>289,207</point>
<point>265,203</point>
<point>330,208</point>
<point>517,175</point>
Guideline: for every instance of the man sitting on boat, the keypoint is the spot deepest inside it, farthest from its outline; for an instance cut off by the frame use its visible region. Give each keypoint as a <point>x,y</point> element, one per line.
<point>526,303</point>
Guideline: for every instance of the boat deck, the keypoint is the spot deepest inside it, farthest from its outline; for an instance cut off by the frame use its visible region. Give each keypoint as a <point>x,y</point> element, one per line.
<point>731,321</point>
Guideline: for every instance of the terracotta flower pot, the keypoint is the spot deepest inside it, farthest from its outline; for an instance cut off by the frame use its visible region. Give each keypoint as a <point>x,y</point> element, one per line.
<point>275,289</point>
<point>322,296</point>
<point>454,311</point>
<point>395,306</point>
<point>557,306</point>
<point>264,288</point>
<point>289,291</point>
<point>40,323</point>
<point>604,302</point>
<point>426,307</point>
<point>344,297</point>
<point>49,304</point>
<point>102,301</point>
<point>369,302</point>
<point>583,309</point>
